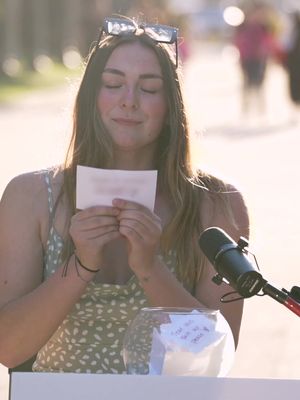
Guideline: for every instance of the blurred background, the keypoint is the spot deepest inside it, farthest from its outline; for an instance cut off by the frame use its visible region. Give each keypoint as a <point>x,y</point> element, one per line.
<point>241,71</point>
<point>36,33</point>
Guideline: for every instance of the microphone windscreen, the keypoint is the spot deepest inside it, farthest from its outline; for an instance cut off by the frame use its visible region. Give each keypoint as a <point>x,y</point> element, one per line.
<point>212,240</point>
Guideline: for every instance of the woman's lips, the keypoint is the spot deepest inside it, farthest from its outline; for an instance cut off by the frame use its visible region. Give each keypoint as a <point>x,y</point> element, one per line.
<point>127,121</point>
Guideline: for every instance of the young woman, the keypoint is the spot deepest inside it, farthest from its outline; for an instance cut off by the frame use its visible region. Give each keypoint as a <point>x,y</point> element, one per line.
<point>71,281</point>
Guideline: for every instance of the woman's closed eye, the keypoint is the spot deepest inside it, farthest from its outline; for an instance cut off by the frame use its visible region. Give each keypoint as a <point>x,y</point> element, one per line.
<point>151,91</point>
<point>148,86</point>
<point>120,85</point>
<point>151,88</point>
<point>112,85</point>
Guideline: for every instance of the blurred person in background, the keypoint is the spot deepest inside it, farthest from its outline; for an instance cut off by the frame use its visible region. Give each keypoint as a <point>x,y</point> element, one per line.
<point>71,281</point>
<point>256,43</point>
<point>292,63</point>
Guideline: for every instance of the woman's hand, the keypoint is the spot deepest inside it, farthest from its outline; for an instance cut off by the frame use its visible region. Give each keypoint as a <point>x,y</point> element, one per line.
<point>90,230</point>
<point>142,229</point>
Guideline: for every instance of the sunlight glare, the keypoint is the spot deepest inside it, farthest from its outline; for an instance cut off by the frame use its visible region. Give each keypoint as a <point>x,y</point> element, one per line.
<point>233,16</point>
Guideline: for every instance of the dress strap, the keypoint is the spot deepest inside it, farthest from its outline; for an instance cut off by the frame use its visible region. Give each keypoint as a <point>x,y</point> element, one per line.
<point>49,192</point>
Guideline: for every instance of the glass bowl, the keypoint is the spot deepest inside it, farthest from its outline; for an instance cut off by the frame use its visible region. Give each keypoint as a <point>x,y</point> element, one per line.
<point>178,341</point>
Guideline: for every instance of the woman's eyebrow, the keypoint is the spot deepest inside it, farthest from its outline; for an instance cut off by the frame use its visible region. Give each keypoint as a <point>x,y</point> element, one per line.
<point>114,71</point>
<point>142,76</point>
<point>151,76</point>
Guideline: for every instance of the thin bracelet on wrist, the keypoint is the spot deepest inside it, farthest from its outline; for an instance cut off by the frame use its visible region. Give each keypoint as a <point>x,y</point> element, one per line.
<point>83,266</point>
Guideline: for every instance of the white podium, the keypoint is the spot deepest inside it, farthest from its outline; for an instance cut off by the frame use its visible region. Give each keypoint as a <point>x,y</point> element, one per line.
<point>71,386</point>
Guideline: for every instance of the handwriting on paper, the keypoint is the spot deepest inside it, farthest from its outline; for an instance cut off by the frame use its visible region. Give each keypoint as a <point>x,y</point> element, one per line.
<point>95,186</point>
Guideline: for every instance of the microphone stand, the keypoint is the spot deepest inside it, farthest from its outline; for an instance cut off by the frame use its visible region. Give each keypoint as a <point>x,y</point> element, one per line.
<point>251,282</point>
<point>291,300</point>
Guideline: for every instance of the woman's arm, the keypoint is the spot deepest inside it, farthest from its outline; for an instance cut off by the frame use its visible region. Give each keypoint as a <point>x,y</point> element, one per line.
<point>208,292</point>
<point>30,311</point>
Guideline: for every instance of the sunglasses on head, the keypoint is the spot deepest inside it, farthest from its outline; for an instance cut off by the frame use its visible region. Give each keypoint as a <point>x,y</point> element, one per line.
<point>122,26</point>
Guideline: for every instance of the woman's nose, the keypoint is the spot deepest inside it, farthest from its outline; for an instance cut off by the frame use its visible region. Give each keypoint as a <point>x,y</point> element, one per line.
<point>129,99</point>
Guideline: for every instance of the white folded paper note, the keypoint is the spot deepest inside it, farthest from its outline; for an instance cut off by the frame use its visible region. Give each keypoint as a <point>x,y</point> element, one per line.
<point>95,187</point>
<point>191,344</point>
<point>192,332</point>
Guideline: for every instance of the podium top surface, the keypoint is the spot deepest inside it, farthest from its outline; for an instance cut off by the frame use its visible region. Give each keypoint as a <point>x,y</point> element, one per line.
<point>72,386</point>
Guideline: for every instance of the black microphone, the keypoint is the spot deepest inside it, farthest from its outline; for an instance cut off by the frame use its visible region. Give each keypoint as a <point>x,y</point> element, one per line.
<point>231,261</point>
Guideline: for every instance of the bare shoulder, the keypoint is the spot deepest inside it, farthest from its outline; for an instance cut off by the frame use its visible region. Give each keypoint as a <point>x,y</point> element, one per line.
<point>239,210</point>
<point>20,244</point>
<point>25,191</point>
<point>29,189</point>
<point>25,201</point>
<point>225,207</point>
<point>27,184</point>
<point>24,217</point>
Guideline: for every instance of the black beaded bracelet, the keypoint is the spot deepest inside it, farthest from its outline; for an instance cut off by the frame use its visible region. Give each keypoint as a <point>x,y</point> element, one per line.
<point>83,266</point>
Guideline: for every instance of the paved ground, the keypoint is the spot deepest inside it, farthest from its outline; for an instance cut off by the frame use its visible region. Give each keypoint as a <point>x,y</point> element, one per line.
<point>258,153</point>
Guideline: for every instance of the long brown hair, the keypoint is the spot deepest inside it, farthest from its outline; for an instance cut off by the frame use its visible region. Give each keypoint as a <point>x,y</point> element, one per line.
<point>91,146</point>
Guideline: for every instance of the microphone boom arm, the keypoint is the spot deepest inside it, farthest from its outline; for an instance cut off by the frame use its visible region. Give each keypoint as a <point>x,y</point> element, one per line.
<point>231,262</point>
<point>283,297</point>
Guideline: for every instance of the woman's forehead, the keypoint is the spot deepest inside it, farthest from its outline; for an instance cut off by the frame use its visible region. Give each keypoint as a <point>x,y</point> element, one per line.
<point>133,55</point>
